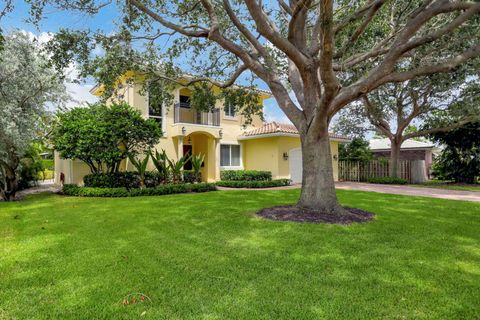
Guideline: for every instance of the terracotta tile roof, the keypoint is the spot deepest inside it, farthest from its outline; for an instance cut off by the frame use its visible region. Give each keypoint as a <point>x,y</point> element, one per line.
<point>281,128</point>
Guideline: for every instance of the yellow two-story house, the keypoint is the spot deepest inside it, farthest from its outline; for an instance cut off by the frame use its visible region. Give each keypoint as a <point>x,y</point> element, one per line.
<point>220,135</point>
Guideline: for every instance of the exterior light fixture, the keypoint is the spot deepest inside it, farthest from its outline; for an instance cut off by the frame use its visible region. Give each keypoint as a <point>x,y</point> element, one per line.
<point>285,156</point>
<point>220,133</point>
<point>184,130</point>
<point>335,157</point>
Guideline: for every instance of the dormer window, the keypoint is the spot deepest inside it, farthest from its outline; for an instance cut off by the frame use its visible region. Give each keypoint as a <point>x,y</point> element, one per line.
<point>229,110</point>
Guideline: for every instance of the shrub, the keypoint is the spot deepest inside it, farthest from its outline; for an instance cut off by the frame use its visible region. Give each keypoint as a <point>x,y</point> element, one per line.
<point>387,180</point>
<point>254,183</point>
<point>74,190</point>
<point>112,180</point>
<point>245,175</point>
<point>189,176</point>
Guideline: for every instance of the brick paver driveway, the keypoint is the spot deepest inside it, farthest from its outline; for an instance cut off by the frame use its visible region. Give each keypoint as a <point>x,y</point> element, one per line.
<point>393,189</point>
<point>411,191</point>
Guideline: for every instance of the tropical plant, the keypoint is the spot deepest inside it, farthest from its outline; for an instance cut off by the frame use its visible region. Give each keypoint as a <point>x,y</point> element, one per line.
<point>160,161</point>
<point>177,166</point>
<point>140,166</point>
<point>197,161</point>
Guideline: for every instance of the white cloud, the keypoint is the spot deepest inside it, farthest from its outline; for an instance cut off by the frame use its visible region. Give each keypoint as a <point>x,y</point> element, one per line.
<point>80,94</point>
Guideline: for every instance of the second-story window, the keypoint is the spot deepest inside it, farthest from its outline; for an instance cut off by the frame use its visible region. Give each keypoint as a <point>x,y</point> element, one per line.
<point>229,110</point>
<point>155,106</point>
<point>184,101</point>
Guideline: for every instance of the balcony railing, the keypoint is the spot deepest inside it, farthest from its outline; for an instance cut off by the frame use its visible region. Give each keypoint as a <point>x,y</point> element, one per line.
<point>185,114</point>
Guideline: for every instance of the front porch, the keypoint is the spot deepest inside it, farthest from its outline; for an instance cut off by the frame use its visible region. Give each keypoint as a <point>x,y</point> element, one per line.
<point>201,142</point>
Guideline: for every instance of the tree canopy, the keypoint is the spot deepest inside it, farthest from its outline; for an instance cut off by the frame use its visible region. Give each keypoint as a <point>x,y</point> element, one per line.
<point>102,136</point>
<point>460,159</point>
<point>27,85</point>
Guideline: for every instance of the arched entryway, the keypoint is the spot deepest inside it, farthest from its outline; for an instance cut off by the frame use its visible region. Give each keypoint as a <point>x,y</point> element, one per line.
<point>202,143</point>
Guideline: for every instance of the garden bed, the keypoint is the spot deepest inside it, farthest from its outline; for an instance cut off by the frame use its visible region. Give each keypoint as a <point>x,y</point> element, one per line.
<point>74,190</point>
<point>254,184</point>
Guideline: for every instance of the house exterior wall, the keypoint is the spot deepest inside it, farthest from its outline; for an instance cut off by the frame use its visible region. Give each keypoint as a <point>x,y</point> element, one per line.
<point>267,154</point>
<point>256,154</point>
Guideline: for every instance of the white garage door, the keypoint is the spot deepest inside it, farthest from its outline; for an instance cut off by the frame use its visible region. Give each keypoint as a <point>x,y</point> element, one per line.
<point>295,163</point>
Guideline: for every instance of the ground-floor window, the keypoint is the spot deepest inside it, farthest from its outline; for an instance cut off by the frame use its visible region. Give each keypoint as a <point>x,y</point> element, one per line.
<point>230,155</point>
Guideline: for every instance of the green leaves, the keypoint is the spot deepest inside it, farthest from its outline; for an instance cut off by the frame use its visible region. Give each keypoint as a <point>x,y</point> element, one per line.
<point>140,166</point>
<point>103,136</point>
<point>203,97</point>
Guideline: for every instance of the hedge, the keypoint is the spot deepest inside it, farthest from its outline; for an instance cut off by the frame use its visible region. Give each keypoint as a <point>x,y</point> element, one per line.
<point>387,180</point>
<point>254,184</point>
<point>128,179</point>
<point>74,190</point>
<point>245,175</point>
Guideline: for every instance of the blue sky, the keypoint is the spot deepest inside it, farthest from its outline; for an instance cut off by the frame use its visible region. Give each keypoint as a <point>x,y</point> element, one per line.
<point>105,20</point>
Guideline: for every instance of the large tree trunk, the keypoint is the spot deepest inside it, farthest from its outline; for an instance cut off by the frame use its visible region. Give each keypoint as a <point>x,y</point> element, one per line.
<point>11,184</point>
<point>394,167</point>
<point>318,187</point>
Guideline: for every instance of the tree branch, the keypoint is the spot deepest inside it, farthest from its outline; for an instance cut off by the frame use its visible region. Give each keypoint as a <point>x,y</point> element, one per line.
<point>431,69</point>
<point>178,28</point>
<point>267,29</point>
<point>456,125</point>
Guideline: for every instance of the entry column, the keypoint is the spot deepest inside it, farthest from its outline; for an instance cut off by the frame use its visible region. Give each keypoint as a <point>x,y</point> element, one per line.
<point>179,147</point>
<point>217,158</point>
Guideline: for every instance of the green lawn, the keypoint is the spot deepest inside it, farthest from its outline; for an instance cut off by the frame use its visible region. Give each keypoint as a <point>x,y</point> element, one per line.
<point>206,256</point>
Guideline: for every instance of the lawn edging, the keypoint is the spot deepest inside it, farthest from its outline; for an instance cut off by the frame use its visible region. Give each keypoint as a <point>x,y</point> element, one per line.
<point>253,184</point>
<point>74,190</point>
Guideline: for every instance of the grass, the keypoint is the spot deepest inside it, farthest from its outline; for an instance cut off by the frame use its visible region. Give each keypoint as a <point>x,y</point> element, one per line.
<point>206,256</point>
<point>449,185</point>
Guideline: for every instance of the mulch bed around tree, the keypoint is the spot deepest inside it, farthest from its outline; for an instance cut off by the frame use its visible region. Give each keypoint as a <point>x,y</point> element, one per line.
<point>298,214</point>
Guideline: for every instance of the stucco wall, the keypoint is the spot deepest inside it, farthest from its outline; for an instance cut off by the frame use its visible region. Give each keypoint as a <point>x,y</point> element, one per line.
<point>261,154</point>
<point>267,154</point>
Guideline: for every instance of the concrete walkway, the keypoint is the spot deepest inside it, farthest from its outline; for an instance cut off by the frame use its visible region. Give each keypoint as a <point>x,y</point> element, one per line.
<point>392,189</point>
<point>411,191</point>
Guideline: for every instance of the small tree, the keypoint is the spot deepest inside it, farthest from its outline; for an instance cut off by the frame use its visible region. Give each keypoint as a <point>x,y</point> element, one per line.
<point>102,136</point>
<point>27,84</point>
<point>357,150</point>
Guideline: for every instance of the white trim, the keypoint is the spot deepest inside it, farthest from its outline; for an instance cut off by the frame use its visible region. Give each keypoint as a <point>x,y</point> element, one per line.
<point>230,142</point>
<point>283,134</point>
<point>225,117</point>
<point>195,125</point>
<point>226,143</point>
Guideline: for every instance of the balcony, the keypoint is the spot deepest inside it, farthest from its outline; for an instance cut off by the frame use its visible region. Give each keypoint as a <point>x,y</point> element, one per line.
<point>184,114</point>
